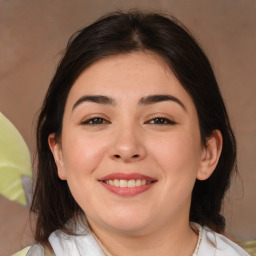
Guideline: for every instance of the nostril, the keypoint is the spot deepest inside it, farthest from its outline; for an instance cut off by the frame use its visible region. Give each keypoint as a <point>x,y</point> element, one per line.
<point>134,156</point>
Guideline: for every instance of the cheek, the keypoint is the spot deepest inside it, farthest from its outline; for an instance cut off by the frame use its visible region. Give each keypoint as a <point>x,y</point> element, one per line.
<point>82,154</point>
<point>178,158</point>
<point>178,155</point>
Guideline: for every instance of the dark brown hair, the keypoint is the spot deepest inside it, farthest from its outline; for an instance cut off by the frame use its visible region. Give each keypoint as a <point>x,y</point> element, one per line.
<point>120,33</point>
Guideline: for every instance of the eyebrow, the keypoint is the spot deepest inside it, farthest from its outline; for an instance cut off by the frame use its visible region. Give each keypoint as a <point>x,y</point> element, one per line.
<point>151,99</point>
<point>148,100</point>
<point>100,99</point>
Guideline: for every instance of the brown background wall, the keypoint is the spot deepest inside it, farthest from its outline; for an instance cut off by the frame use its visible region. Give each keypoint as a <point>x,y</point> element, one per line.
<point>33,33</point>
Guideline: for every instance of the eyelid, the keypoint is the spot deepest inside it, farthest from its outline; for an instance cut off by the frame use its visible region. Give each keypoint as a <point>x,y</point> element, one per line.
<point>170,120</point>
<point>87,119</point>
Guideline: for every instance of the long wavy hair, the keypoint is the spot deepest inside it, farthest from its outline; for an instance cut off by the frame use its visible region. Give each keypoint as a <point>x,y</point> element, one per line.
<point>120,33</point>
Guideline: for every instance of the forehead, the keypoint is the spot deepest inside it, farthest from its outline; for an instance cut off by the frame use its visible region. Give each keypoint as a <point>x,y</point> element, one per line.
<point>128,76</point>
<point>134,66</point>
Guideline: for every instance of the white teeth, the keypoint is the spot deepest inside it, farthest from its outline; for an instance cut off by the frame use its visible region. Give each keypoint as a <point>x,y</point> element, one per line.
<point>123,184</point>
<point>131,184</point>
<point>138,183</point>
<point>116,183</point>
<point>127,183</point>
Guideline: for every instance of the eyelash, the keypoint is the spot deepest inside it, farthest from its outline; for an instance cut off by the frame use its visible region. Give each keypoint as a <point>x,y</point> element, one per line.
<point>101,121</point>
<point>91,121</point>
<point>163,121</point>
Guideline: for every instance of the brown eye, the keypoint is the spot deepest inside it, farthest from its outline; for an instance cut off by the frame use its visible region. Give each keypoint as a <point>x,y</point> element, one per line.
<point>161,121</point>
<point>95,121</point>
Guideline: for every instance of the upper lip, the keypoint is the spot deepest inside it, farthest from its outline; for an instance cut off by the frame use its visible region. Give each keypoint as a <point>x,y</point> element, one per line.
<point>126,176</point>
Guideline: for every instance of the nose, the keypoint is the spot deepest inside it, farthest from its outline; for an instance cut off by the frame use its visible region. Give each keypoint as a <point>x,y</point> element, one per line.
<point>128,146</point>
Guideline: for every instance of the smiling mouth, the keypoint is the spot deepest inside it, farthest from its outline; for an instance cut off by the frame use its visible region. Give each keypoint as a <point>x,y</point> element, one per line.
<point>128,183</point>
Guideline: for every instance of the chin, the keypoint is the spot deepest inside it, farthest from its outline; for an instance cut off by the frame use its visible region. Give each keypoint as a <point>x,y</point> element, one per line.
<point>128,222</point>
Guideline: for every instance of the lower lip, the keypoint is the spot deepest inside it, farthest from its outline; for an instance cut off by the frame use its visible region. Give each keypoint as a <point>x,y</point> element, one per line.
<point>127,191</point>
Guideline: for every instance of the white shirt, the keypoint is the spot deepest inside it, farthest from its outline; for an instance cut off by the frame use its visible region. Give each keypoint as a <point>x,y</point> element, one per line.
<point>212,244</point>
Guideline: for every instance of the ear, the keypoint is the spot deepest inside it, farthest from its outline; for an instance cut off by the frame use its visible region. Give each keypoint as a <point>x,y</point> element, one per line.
<point>210,155</point>
<point>57,154</point>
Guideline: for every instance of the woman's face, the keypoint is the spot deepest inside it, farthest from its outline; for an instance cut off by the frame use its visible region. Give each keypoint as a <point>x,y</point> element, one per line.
<point>130,147</point>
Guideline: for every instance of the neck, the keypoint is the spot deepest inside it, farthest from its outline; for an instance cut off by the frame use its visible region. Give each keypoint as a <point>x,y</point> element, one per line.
<point>175,239</point>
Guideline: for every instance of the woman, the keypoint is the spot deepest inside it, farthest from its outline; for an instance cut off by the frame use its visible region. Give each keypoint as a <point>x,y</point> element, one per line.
<point>135,148</point>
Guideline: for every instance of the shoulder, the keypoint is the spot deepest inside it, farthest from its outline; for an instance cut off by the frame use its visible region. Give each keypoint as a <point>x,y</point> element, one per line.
<point>64,244</point>
<point>214,244</point>
<point>39,250</point>
<point>80,241</point>
<point>36,250</point>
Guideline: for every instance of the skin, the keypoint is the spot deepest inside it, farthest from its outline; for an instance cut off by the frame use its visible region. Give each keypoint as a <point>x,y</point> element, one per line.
<point>160,140</point>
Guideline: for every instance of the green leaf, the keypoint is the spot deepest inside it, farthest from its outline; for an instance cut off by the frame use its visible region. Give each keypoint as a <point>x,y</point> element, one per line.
<point>14,161</point>
<point>22,252</point>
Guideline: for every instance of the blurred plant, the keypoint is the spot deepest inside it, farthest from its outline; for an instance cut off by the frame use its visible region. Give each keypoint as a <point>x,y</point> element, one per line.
<point>15,163</point>
<point>250,247</point>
